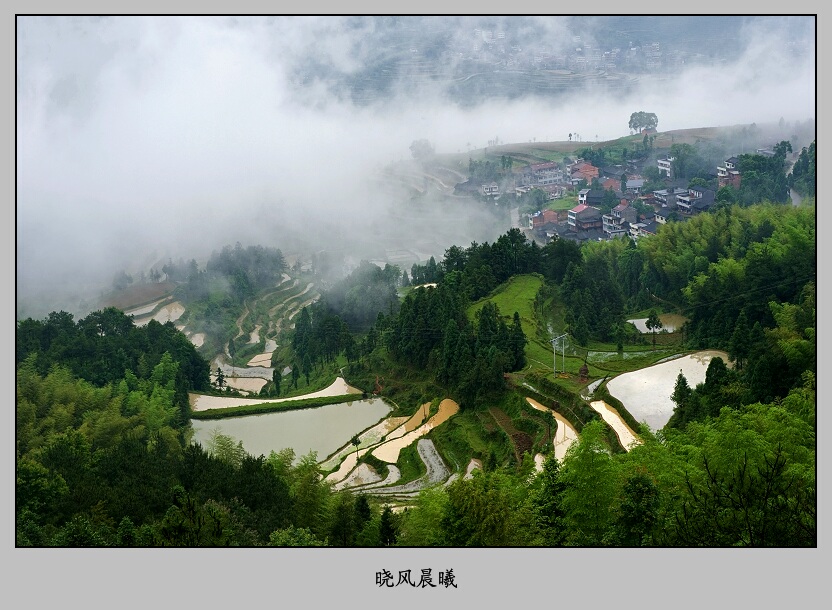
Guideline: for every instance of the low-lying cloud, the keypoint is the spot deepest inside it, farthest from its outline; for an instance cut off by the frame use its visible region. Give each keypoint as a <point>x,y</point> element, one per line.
<point>143,137</point>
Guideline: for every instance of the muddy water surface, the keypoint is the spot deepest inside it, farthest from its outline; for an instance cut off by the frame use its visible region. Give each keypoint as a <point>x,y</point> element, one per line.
<point>363,475</point>
<point>247,384</point>
<point>671,322</point>
<point>169,313</point>
<point>565,434</point>
<point>646,393</point>
<point>367,439</point>
<point>411,423</point>
<point>145,309</point>
<point>389,450</point>
<point>260,360</point>
<point>322,429</point>
<point>344,469</point>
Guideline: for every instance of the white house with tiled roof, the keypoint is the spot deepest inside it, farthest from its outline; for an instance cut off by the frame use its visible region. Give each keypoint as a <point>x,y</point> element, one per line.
<point>583,218</point>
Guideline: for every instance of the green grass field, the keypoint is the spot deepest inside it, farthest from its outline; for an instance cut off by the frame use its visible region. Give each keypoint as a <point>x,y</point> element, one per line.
<point>517,294</point>
<point>564,203</point>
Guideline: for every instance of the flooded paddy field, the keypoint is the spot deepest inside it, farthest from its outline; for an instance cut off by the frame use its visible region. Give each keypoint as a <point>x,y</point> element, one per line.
<point>646,393</point>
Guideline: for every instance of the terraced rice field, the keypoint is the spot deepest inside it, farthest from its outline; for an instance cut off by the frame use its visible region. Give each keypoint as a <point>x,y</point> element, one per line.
<point>146,309</point>
<point>168,312</point>
<point>385,441</point>
<point>625,434</point>
<point>565,433</point>
<point>389,450</point>
<point>202,402</point>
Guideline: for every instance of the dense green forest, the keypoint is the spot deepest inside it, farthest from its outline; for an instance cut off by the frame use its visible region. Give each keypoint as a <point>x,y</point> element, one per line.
<point>106,347</point>
<point>745,278</point>
<point>105,457</point>
<point>100,467</point>
<point>365,292</point>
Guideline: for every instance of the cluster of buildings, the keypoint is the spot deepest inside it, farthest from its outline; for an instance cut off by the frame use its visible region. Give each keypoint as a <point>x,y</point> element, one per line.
<point>548,177</point>
<point>587,220</point>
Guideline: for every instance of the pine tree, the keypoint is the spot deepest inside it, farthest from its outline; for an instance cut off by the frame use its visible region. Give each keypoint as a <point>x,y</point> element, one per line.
<point>307,367</point>
<point>388,531</point>
<point>518,344</point>
<point>546,503</point>
<point>681,398</point>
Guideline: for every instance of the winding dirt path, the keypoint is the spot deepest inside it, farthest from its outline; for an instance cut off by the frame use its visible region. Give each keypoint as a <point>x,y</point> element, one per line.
<point>242,317</point>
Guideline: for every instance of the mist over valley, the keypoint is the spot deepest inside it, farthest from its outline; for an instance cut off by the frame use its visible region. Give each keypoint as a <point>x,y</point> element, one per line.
<point>361,281</point>
<point>143,140</point>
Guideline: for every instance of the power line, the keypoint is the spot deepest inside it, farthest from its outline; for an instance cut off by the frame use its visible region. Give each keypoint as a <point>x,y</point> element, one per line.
<point>737,295</point>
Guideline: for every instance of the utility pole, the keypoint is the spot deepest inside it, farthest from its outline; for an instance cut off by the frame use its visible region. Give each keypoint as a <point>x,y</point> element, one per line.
<point>554,358</point>
<point>555,353</point>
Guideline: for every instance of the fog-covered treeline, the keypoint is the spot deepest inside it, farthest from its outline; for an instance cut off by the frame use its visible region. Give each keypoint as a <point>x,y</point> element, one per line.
<point>804,173</point>
<point>366,291</point>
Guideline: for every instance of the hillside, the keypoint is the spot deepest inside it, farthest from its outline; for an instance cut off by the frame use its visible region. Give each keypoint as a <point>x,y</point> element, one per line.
<point>138,294</point>
<point>541,152</point>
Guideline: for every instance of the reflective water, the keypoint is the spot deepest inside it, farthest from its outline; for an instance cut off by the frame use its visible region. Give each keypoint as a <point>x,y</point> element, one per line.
<point>346,455</point>
<point>321,429</point>
<point>389,450</point>
<point>246,384</point>
<point>144,309</point>
<point>670,322</point>
<point>646,393</point>
<point>565,433</point>
<point>625,435</point>
<point>200,402</point>
<point>260,360</point>
<point>168,313</point>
